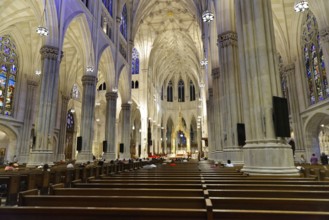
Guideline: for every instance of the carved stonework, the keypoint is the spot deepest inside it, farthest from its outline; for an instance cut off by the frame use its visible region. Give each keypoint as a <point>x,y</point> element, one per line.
<point>111,96</point>
<point>215,73</point>
<point>289,69</point>
<point>50,52</point>
<point>32,80</point>
<point>324,35</point>
<point>88,80</point>
<point>65,98</point>
<point>125,106</point>
<point>118,20</point>
<point>226,39</point>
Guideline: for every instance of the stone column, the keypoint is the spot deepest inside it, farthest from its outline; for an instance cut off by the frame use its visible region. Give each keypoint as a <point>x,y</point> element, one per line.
<point>264,153</point>
<point>125,132</point>
<point>211,132</point>
<point>164,139</point>
<point>27,142</point>
<point>60,154</point>
<point>45,141</point>
<point>217,110</point>
<point>289,70</point>
<point>228,53</point>
<point>324,42</point>
<point>111,109</point>
<point>87,117</point>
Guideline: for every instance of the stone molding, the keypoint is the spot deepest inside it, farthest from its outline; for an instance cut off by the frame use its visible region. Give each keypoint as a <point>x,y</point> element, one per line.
<point>88,80</point>
<point>324,35</point>
<point>32,82</point>
<point>66,98</point>
<point>229,38</point>
<point>111,96</point>
<point>289,69</point>
<point>125,106</point>
<point>50,52</point>
<point>215,72</point>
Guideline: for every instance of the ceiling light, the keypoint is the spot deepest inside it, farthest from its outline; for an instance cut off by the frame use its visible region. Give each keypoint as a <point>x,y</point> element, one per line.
<point>301,5</point>
<point>38,72</point>
<point>204,62</point>
<point>90,69</point>
<point>115,89</point>
<point>42,31</point>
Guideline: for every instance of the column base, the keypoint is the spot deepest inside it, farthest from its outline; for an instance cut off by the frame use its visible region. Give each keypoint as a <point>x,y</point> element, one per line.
<point>108,156</point>
<point>60,157</point>
<point>234,154</point>
<point>84,156</point>
<point>23,159</point>
<point>39,157</point>
<point>269,159</point>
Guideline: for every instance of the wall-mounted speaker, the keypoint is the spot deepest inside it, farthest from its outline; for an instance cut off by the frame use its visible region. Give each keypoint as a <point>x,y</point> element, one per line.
<point>139,150</point>
<point>104,146</point>
<point>121,147</point>
<point>241,134</point>
<point>281,117</point>
<point>34,140</point>
<point>79,143</point>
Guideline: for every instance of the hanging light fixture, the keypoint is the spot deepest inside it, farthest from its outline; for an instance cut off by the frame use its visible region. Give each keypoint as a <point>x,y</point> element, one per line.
<point>207,16</point>
<point>42,30</point>
<point>301,5</point>
<point>204,62</point>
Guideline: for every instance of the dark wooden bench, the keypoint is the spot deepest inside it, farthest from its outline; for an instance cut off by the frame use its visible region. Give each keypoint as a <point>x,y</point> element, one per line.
<point>129,192</point>
<point>271,193</point>
<point>269,186</point>
<point>69,213</point>
<point>137,185</point>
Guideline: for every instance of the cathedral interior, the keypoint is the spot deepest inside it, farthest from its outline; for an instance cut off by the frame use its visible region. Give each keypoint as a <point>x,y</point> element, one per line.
<point>120,79</point>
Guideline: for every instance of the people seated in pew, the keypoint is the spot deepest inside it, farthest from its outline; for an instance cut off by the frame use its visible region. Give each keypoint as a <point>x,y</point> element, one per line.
<point>69,166</point>
<point>10,167</point>
<point>229,164</point>
<point>324,159</point>
<point>314,160</point>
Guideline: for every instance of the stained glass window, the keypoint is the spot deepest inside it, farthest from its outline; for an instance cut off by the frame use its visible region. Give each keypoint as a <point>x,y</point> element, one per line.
<point>8,72</point>
<point>75,91</point>
<point>169,92</point>
<point>109,5</point>
<point>135,62</point>
<point>192,91</point>
<point>181,93</point>
<point>70,122</point>
<point>123,25</point>
<point>317,82</point>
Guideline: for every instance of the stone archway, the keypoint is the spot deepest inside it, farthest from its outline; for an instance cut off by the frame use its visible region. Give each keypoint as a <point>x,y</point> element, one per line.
<point>8,146</point>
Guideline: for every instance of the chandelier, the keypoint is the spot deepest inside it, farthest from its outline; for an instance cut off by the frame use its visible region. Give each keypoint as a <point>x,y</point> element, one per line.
<point>204,62</point>
<point>207,16</point>
<point>301,5</point>
<point>43,30</point>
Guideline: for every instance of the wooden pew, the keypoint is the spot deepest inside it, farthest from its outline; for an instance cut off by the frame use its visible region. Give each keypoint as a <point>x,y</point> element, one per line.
<point>138,185</point>
<point>129,192</point>
<point>271,193</point>
<point>269,186</point>
<point>69,213</point>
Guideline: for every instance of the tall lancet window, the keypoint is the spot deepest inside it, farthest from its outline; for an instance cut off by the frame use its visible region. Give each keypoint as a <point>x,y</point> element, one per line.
<point>317,82</point>
<point>8,73</point>
<point>169,92</point>
<point>75,93</point>
<point>192,91</point>
<point>135,62</point>
<point>123,25</point>
<point>181,94</point>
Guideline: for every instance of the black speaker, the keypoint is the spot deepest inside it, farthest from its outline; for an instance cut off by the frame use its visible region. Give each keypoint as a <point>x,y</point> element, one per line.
<point>121,148</point>
<point>281,117</point>
<point>241,134</point>
<point>139,150</point>
<point>104,146</point>
<point>34,140</point>
<point>79,143</point>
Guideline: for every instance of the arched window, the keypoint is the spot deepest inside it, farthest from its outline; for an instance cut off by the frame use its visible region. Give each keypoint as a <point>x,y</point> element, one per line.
<point>136,84</point>
<point>102,87</point>
<point>135,62</point>
<point>314,61</point>
<point>70,122</point>
<point>123,25</point>
<point>132,84</point>
<point>181,93</point>
<point>192,91</point>
<point>8,71</point>
<point>169,92</point>
<point>108,5</point>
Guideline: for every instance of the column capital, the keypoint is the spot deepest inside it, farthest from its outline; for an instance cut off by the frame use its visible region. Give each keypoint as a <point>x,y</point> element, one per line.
<point>88,79</point>
<point>289,69</point>
<point>324,35</point>
<point>228,38</point>
<point>125,106</point>
<point>215,72</point>
<point>50,52</point>
<point>33,81</point>
<point>111,96</point>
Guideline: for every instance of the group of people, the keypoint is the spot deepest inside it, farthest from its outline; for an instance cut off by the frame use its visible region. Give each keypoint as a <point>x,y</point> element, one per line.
<point>314,159</point>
